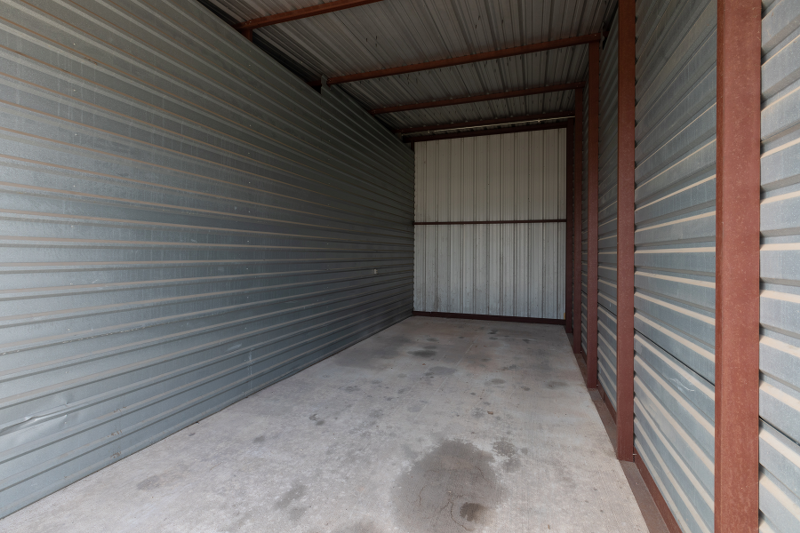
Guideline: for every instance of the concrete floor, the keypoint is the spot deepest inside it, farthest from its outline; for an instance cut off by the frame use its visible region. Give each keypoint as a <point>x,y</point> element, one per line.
<point>431,426</point>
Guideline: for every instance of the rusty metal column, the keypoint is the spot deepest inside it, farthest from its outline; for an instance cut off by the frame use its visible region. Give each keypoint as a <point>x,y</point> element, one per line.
<point>593,149</point>
<point>626,206</point>
<point>568,281</point>
<point>577,196</point>
<point>737,276</point>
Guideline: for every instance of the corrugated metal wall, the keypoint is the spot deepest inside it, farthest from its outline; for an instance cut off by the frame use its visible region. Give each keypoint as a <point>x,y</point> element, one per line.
<point>675,253</point>
<point>183,223</point>
<point>491,269</point>
<point>585,225</point>
<point>607,217</point>
<point>779,494</point>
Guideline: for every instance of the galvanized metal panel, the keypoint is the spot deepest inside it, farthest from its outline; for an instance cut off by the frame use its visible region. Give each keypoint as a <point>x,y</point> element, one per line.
<point>400,32</point>
<point>607,216</point>
<point>494,269</point>
<point>184,222</point>
<point>675,253</point>
<point>779,399</point>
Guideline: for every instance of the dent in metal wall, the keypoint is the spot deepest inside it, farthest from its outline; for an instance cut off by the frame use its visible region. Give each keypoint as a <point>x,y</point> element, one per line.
<point>491,269</point>
<point>779,398</point>
<point>183,223</point>
<point>675,253</point>
<point>607,216</point>
<point>585,226</point>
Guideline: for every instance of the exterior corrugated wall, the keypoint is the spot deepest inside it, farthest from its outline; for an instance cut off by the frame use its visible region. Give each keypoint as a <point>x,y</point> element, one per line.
<point>779,403</point>
<point>585,224</point>
<point>675,253</point>
<point>183,223</point>
<point>491,269</point>
<point>607,217</point>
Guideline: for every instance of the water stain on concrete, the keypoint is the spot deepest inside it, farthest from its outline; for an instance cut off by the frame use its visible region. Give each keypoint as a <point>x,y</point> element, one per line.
<point>319,421</point>
<point>440,371</point>
<point>423,353</point>
<point>451,488</point>
<point>556,384</point>
<point>295,493</point>
<point>151,483</point>
<point>352,388</point>
<point>297,513</point>
<point>526,388</point>
<point>504,448</point>
<point>363,526</point>
<point>259,440</point>
<point>497,381</point>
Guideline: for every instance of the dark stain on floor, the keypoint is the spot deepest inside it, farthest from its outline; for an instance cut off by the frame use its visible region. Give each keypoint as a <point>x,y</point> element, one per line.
<point>423,353</point>
<point>318,421</point>
<point>153,482</point>
<point>451,488</point>
<point>503,448</point>
<point>295,493</point>
<point>440,371</point>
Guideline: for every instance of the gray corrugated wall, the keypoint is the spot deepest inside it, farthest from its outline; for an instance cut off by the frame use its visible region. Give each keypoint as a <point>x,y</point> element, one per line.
<point>183,223</point>
<point>675,253</point>
<point>607,217</point>
<point>491,269</point>
<point>585,223</point>
<point>779,405</point>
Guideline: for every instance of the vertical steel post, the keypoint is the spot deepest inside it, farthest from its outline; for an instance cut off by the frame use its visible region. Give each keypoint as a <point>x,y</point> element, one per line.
<point>737,268</point>
<point>568,281</point>
<point>593,149</point>
<point>626,188</point>
<point>577,196</point>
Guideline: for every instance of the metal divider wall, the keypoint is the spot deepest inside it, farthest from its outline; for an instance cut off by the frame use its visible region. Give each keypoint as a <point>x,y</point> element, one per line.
<point>779,395</point>
<point>491,225</point>
<point>184,222</point>
<point>675,253</point>
<point>607,218</point>
<point>585,226</point>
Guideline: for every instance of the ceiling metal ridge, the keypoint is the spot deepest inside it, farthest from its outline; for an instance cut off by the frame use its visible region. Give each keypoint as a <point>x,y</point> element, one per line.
<point>481,133</point>
<point>478,98</point>
<point>305,12</point>
<point>461,60</point>
<point>475,123</point>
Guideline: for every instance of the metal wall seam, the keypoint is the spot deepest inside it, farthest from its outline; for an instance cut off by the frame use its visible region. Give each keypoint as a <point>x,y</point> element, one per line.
<point>779,395</point>
<point>184,223</point>
<point>492,269</point>
<point>607,216</point>
<point>675,253</point>
<point>585,226</point>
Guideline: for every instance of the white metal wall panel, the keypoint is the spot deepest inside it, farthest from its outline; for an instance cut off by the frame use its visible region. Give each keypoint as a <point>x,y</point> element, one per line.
<point>585,225</point>
<point>675,253</point>
<point>183,222</point>
<point>779,405</point>
<point>607,217</point>
<point>491,269</point>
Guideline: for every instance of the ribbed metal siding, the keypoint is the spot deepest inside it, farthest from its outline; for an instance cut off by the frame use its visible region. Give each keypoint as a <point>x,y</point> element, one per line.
<point>675,252</point>
<point>780,268</point>
<point>585,224</point>
<point>183,223</point>
<point>607,217</point>
<point>491,269</point>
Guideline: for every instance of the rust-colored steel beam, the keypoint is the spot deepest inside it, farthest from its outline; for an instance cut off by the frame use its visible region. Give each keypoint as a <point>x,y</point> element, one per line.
<point>296,14</point>
<point>626,206</point>
<point>478,98</point>
<point>488,122</point>
<point>737,262</point>
<point>577,225</point>
<point>473,58</point>
<point>568,281</point>
<point>482,133</point>
<point>593,149</point>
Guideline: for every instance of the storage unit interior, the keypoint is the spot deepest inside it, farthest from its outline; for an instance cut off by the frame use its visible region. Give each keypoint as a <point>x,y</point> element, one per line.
<point>352,266</point>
